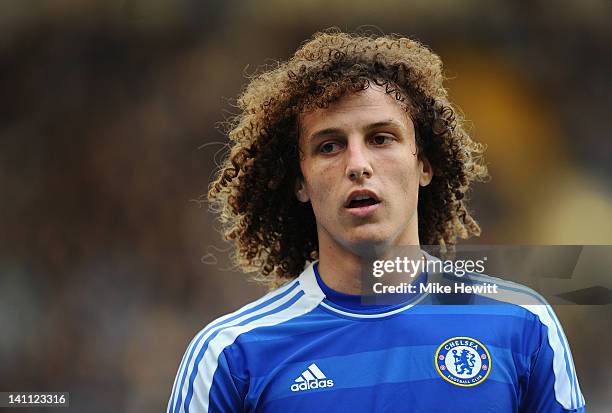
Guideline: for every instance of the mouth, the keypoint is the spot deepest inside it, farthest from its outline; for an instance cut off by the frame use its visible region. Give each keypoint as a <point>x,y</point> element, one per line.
<point>362,203</point>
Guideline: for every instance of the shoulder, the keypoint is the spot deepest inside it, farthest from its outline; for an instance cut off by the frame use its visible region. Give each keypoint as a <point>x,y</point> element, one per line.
<point>533,315</point>
<point>518,298</point>
<point>542,327</point>
<point>275,307</point>
<point>552,380</point>
<point>476,288</point>
<point>206,365</point>
<point>283,304</point>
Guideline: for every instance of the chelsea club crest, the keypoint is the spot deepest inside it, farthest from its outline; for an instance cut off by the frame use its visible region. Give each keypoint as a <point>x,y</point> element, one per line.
<point>463,361</point>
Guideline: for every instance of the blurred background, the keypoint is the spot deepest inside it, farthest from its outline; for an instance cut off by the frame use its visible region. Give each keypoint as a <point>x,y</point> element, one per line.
<point>109,115</point>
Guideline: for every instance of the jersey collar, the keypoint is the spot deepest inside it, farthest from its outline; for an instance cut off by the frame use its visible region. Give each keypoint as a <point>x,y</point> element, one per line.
<point>310,286</point>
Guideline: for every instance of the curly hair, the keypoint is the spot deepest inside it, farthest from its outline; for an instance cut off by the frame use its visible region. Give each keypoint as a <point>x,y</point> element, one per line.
<point>275,234</point>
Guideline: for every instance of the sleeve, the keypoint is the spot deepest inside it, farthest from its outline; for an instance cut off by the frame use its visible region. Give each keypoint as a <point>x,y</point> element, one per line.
<point>552,384</point>
<point>204,383</point>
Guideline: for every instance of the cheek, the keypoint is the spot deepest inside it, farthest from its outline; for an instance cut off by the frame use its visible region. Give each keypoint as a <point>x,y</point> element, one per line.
<point>317,174</point>
<point>321,192</point>
<point>401,171</point>
<point>321,188</point>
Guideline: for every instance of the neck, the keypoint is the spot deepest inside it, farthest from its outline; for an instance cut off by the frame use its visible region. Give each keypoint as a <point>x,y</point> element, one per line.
<point>341,268</point>
<point>342,274</point>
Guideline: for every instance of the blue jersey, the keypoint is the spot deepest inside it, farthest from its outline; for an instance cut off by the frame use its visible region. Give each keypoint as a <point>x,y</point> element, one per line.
<point>302,348</point>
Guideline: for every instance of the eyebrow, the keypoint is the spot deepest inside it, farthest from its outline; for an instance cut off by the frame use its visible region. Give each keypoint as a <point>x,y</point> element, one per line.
<point>323,133</point>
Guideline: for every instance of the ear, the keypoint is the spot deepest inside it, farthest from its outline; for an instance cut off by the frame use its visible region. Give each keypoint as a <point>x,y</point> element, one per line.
<point>300,190</point>
<point>425,172</point>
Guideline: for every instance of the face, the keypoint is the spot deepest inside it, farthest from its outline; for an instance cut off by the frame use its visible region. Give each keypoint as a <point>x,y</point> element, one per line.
<point>361,172</point>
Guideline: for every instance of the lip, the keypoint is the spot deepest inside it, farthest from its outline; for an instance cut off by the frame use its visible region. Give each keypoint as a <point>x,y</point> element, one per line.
<point>363,211</point>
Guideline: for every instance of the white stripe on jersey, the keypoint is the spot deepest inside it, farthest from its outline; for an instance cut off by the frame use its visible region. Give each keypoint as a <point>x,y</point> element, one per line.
<point>566,393</point>
<point>228,335</point>
<point>201,341</point>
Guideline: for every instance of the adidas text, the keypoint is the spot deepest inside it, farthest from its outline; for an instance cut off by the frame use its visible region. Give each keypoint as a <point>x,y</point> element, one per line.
<point>312,384</point>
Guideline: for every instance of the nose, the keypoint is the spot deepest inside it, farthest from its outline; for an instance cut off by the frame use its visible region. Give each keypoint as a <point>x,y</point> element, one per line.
<point>358,166</point>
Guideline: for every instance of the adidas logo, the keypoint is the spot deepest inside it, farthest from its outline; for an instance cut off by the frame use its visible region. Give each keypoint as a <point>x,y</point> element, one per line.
<point>312,378</point>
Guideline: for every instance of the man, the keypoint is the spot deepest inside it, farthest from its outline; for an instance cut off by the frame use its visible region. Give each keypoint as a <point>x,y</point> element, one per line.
<point>341,155</point>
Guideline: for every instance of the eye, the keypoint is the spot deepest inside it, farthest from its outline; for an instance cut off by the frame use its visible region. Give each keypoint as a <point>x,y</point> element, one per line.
<point>329,147</point>
<point>382,139</point>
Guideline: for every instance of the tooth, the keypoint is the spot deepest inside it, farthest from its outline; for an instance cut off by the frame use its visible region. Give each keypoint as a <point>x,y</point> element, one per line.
<point>361,197</point>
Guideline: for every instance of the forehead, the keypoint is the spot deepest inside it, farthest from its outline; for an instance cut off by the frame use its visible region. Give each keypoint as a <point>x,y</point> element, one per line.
<point>354,111</point>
